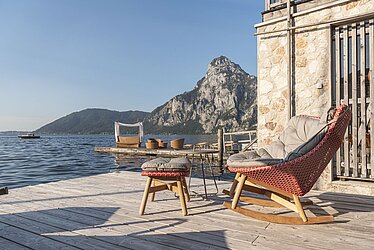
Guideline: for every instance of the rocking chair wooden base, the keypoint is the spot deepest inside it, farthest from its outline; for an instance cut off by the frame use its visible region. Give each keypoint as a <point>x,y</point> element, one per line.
<point>278,218</point>
<point>278,198</point>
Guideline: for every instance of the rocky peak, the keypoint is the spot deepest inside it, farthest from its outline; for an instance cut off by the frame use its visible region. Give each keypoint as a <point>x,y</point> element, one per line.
<point>221,61</point>
<point>224,97</point>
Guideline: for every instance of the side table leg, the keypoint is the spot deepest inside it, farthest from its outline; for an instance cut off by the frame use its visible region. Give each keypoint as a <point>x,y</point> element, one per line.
<point>214,178</point>
<point>202,169</point>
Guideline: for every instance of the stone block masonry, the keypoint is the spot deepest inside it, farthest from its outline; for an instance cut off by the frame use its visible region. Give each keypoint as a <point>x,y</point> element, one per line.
<point>311,65</point>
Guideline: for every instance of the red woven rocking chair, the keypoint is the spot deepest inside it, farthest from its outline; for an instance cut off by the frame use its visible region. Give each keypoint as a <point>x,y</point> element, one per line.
<point>286,182</point>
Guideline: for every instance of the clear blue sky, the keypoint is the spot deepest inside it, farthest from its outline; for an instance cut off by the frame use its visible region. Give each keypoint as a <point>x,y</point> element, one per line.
<point>62,56</point>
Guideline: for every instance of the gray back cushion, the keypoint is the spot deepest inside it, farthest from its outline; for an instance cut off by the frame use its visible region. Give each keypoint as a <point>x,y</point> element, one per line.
<point>301,135</point>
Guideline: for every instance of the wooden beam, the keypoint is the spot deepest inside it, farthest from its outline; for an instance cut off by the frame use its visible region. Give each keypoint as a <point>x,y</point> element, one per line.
<point>354,161</point>
<point>234,184</point>
<point>300,208</point>
<point>251,188</point>
<point>158,188</point>
<point>346,97</point>
<point>284,202</point>
<point>238,192</point>
<point>363,98</point>
<point>269,187</point>
<point>337,90</point>
<point>371,103</point>
<point>278,218</point>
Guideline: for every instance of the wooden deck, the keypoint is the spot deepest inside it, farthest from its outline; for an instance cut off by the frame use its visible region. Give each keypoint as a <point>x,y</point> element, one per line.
<point>101,212</point>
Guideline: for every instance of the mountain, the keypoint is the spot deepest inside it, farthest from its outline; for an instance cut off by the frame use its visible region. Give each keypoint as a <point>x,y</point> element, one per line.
<point>225,97</point>
<point>91,121</point>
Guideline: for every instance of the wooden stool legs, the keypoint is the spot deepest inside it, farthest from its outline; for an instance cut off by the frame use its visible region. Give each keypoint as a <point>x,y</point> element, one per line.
<point>145,195</point>
<point>155,184</point>
<point>181,197</point>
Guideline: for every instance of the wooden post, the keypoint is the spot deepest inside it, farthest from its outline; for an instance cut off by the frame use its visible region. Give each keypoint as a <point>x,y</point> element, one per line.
<point>3,190</point>
<point>364,172</point>
<point>371,103</point>
<point>354,160</point>
<point>345,96</point>
<point>220,147</point>
<point>337,89</point>
<point>289,61</point>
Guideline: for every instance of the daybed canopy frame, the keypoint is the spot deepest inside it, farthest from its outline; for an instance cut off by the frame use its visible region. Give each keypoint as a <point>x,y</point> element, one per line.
<point>117,129</point>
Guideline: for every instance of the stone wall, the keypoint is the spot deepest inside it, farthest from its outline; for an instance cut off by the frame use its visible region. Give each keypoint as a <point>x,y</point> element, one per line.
<point>311,68</point>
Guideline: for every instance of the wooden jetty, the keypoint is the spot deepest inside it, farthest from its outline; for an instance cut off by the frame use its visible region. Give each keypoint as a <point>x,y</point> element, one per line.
<point>217,153</point>
<point>101,212</point>
<point>156,152</point>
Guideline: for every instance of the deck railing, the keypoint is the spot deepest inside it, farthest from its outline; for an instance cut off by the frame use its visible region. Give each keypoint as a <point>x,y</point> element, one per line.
<point>240,140</point>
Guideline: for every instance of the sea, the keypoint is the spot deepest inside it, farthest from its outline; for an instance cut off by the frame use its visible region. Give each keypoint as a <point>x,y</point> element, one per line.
<point>51,158</point>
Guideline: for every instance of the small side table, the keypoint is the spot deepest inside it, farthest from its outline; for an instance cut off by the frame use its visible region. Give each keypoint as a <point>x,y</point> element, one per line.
<point>206,159</point>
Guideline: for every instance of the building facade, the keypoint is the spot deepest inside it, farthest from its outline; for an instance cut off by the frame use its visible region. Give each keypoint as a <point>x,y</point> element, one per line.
<point>314,54</point>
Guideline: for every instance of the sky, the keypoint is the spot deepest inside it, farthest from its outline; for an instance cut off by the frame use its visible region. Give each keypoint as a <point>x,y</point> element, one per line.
<point>63,56</point>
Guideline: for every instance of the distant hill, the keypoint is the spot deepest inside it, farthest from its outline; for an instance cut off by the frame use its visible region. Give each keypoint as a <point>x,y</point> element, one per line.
<point>91,121</point>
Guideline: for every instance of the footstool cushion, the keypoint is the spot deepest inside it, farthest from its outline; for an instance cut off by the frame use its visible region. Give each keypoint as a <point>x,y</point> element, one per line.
<point>167,165</point>
<point>164,174</point>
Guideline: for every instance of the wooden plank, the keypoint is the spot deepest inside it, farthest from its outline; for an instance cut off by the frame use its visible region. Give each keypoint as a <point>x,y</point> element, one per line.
<point>128,229</point>
<point>337,89</point>
<point>164,225</point>
<point>318,235</point>
<point>101,201</point>
<point>29,239</point>
<point>354,161</point>
<point>371,103</point>
<point>205,217</point>
<point>61,219</point>
<point>56,233</point>
<point>200,220</point>
<point>112,236</point>
<point>100,193</point>
<point>7,244</point>
<point>158,152</point>
<point>346,97</point>
<point>363,98</point>
<point>89,216</point>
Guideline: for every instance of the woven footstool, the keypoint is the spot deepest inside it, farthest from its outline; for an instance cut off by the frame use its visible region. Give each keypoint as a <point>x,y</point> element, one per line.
<point>166,174</point>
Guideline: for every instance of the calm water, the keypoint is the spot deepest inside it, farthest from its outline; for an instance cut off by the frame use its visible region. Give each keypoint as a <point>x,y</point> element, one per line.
<point>51,158</point>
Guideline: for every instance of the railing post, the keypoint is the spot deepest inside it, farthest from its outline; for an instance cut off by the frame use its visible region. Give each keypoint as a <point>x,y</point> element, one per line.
<point>3,190</point>
<point>220,147</point>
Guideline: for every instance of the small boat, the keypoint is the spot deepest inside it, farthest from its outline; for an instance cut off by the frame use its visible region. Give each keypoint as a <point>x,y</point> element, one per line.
<point>29,136</point>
